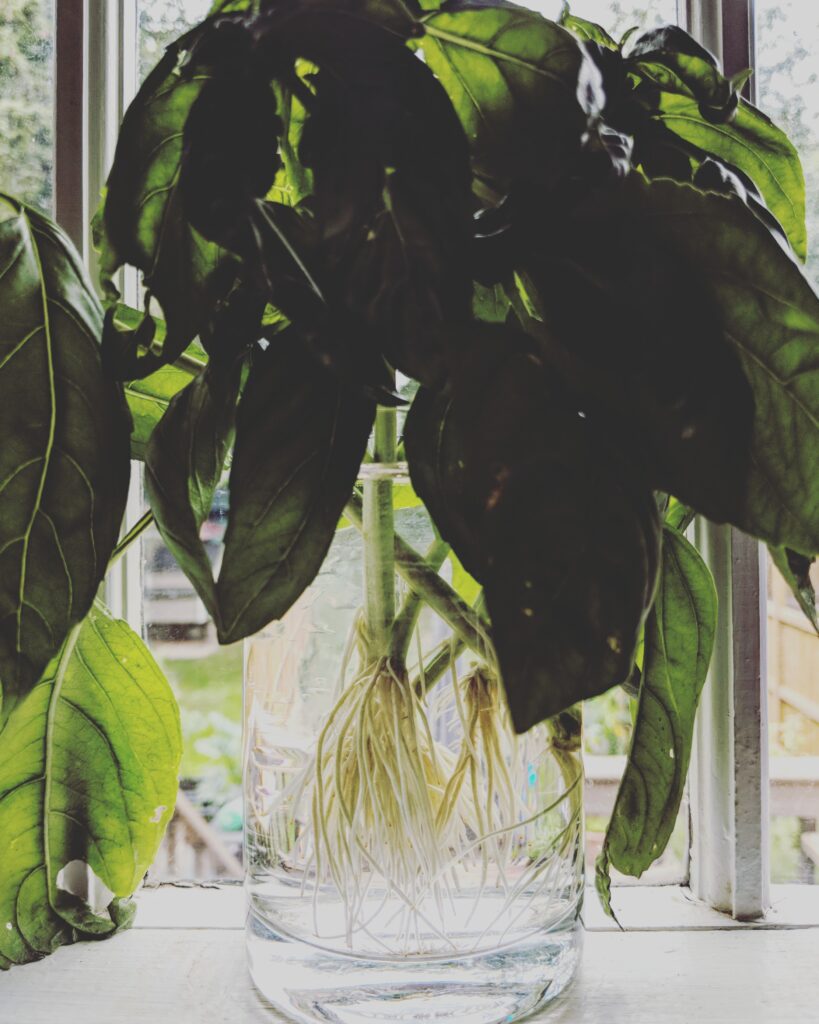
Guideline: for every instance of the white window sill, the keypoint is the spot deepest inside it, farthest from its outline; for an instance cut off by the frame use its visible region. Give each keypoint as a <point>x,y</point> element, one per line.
<point>676,963</point>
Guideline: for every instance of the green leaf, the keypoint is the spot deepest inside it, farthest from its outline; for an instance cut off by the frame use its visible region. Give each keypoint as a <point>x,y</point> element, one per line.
<point>183,465</point>
<point>678,515</point>
<point>88,773</point>
<point>523,87</point>
<point>770,314</point>
<point>588,31</point>
<point>795,570</point>
<point>64,455</point>
<point>301,434</point>
<point>754,144</point>
<point>545,515</point>
<point>148,398</point>
<point>620,304</point>
<point>142,223</point>
<point>679,640</point>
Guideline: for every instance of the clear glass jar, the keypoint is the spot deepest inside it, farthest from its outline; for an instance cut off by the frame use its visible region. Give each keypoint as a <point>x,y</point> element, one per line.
<point>408,856</point>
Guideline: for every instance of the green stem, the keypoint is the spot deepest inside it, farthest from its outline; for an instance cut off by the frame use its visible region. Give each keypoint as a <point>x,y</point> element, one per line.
<point>136,531</point>
<point>435,591</point>
<point>407,618</point>
<point>379,532</point>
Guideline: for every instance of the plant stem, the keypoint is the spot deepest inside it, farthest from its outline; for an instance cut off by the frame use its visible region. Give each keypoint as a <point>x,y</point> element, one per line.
<point>435,591</point>
<point>136,531</point>
<point>379,533</point>
<point>407,618</point>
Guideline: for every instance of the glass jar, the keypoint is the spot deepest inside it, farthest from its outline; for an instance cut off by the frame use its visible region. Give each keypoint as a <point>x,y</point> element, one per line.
<point>409,857</point>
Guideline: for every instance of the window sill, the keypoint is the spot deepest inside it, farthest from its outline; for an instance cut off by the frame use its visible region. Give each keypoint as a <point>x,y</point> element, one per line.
<point>676,961</point>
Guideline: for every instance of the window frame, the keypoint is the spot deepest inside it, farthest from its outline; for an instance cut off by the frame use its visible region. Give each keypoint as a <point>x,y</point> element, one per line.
<point>96,73</point>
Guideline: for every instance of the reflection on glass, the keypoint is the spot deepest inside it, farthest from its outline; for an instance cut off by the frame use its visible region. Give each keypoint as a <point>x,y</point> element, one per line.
<point>26,100</point>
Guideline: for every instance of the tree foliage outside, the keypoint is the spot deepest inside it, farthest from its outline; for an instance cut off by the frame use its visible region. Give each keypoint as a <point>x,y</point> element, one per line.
<point>26,99</point>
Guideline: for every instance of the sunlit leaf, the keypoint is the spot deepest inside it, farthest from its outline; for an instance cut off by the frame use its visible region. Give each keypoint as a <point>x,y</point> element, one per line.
<point>88,774</point>
<point>64,454</point>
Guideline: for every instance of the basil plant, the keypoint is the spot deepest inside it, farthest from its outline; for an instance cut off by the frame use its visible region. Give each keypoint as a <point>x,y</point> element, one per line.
<point>585,253</point>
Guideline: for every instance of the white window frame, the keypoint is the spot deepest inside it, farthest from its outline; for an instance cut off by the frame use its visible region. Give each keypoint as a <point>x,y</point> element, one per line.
<point>96,74</point>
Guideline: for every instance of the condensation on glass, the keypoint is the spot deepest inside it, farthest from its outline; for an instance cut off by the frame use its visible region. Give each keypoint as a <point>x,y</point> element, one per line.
<point>27,101</point>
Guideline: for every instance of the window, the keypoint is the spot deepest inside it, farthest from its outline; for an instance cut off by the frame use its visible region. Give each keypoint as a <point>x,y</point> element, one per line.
<point>27,100</point>
<point>208,680</point>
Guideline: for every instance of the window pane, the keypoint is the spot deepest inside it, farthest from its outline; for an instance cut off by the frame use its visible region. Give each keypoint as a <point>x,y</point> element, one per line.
<point>162,21</point>
<point>206,678</point>
<point>616,17</point>
<point>27,100</point>
<point>788,91</point>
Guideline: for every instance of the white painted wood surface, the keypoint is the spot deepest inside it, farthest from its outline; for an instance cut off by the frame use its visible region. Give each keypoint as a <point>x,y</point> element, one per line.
<point>184,963</point>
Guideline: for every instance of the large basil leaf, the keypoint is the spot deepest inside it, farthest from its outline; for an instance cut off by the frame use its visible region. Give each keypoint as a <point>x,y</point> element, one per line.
<point>183,465</point>
<point>300,438</point>
<point>621,304</point>
<point>770,314</point>
<point>679,639</point>
<point>522,86</point>
<point>749,141</point>
<point>142,222</point>
<point>546,516</point>
<point>795,570</point>
<point>64,455</point>
<point>88,773</point>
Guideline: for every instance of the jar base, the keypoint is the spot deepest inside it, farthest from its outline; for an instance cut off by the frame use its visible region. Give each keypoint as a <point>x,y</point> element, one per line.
<point>312,985</point>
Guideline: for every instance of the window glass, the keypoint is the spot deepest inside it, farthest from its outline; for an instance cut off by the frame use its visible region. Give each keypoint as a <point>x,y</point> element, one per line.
<point>617,17</point>
<point>27,100</point>
<point>787,83</point>
<point>204,838</point>
<point>162,21</point>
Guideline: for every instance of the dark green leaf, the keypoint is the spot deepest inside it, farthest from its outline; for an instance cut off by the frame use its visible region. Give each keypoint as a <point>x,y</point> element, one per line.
<point>142,222</point>
<point>630,322</point>
<point>770,314</point>
<point>795,569</point>
<point>522,86</point>
<point>64,455</point>
<point>752,143</point>
<point>300,438</point>
<point>545,516</point>
<point>148,398</point>
<point>679,639</point>
<point>88,773</point>
<point>588,31</point>
<point>183,465</point>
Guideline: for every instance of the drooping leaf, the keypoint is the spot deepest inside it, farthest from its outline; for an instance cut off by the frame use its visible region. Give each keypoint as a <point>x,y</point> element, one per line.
<point>391,195</point>
<point>770,314</point>
<point>183,465</point>
<point>588,31</point>
<point>542,513</point>
<point>679,639</point>
<point>142,222</point>
<point>509,72</point>
<point>751,142</point>
<point>300,438</point>
<point>88,773</point>
<point>148,398</point>
<point>620,304</point>
<point>64,454</point>
<point>795,570</point>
